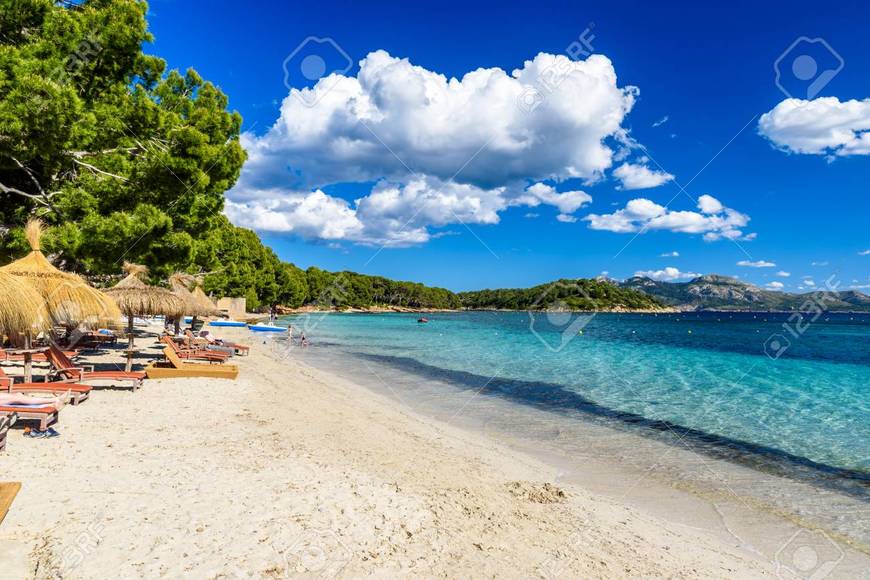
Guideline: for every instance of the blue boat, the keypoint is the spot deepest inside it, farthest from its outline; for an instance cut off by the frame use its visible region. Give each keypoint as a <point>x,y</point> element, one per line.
<point>266,328</point>
<point>226,323</point>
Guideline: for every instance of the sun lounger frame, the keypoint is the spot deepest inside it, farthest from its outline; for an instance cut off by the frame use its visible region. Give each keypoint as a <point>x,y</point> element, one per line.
<point>6,422</point>
<point>80,374</point>
<point>174,367</point>
<point>46,416</point>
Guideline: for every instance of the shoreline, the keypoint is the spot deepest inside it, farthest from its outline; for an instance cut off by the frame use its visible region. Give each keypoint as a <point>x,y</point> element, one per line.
<point>284,311</point>
<point>293,470</point>
<point>768,460</point>
<point>713,474</point>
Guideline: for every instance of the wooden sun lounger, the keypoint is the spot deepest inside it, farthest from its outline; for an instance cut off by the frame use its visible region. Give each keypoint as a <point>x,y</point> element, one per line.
<point>46,414</point>
<point>78,393</point>
<point>211,356</point>
<point>67,371</point>
<point>8,491</point>
<point>98,338</point>
<point>174,367</point>
<point>194,341</point>
<point>5,423</point>
<point>198,341</point>
<point>37,357</point>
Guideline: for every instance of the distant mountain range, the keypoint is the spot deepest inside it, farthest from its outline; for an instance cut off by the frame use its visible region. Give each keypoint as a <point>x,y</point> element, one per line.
<point>715,292</point>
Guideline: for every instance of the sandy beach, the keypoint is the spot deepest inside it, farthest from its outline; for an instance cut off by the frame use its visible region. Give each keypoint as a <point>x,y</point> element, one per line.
<point>293,472</point>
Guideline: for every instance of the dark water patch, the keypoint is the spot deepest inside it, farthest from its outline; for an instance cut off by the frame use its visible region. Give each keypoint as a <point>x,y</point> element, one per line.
<point>834,337</point>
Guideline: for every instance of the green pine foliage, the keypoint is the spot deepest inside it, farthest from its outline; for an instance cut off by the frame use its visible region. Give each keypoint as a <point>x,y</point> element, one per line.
<point>125,160</point>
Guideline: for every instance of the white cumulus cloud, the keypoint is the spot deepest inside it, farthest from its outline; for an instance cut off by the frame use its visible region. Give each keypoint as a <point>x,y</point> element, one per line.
<point>709,204</point>
<point>567,201</point>
<point>823,126</point>
<point>714,221</point>
<point>392,214</point>
<point>783,274</point>
<point>756,264</point>
<point>312,214</point>
<point>636,176</point>
<point>864,253</point>
<point>438,150</point>
<point>673,254</point>
<point>775,285</point>
<point>667,274</point>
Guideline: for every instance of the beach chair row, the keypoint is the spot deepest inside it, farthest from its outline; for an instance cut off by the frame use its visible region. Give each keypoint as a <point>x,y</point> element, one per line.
<point>188,360</point>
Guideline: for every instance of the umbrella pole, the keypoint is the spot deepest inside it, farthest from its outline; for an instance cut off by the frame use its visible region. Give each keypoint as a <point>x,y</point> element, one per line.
<point>28,364</point>
<point>129,366</point>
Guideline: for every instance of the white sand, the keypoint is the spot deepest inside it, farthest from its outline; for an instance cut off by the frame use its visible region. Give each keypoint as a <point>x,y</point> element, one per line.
<point>290,472</point>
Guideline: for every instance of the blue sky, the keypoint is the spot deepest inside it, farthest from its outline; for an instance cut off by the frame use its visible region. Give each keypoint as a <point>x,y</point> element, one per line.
<point>704,77</point>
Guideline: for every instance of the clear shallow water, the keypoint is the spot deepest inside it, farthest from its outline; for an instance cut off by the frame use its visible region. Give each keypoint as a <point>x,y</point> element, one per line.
<point>706,378</point>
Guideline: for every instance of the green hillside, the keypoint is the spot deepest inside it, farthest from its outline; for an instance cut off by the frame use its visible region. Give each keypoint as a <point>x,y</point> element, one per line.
<point>581,294</point>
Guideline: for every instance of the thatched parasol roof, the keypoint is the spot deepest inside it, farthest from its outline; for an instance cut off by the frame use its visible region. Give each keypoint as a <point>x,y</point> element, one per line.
<point>135,298</point>
<point>21,307</point>
<point>180,283</point>
<point>68,298</point>
<point>204,300</point>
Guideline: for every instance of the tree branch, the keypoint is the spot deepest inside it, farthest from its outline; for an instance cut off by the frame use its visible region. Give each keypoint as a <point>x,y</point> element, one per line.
<point>43,199</point>
<point>83,154</point>
<point>30,175</point>
<point>38,198</point>
<point>97,169</point>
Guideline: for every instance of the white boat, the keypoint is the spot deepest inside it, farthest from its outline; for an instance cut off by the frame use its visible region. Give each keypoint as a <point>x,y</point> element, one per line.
<point>267,328</point>
<point>226,323</point>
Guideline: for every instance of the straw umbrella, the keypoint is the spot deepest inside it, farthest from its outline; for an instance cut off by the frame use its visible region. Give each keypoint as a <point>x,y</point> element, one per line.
<point>22,310</point>
<point>135,298</point>
<point>204,300</point>
<point>69,300</point>
<point>21,307</point>
<point>180,283</point>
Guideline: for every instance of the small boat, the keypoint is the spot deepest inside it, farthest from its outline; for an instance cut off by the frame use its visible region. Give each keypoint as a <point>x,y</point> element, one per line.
<point>422,320</point>
<point>188,319</point>
<point>267,328</point>
<point>226,323</point>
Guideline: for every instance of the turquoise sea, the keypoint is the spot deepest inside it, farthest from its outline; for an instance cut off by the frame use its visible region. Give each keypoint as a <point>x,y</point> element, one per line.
<point>766,391</point>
